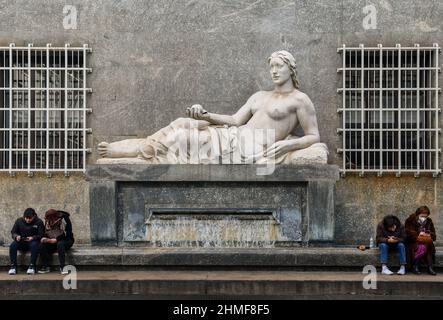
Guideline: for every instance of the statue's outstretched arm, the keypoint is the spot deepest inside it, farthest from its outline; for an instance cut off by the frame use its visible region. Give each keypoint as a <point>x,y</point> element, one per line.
<point>241,117</point>
<point>243,114</point>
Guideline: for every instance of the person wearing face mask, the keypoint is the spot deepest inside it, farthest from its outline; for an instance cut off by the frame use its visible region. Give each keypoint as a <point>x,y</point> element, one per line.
<point>391,235</point>
<point>421,235</point>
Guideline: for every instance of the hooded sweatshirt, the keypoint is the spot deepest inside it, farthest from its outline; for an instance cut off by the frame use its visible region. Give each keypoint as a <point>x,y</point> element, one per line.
<point>35,229</point>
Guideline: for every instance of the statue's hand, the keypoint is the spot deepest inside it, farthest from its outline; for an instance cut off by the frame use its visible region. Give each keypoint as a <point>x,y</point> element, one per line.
<point>278,149</point>
<point>197,112</point>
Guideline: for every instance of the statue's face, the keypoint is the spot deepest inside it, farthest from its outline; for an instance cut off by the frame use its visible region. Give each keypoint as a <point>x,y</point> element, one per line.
<point>280,72</point>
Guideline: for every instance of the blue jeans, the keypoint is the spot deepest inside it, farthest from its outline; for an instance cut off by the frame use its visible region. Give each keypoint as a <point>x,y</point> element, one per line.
<point>384,252</point>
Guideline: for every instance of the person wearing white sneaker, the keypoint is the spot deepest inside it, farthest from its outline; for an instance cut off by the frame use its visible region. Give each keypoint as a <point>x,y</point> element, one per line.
<point>58,237</point>
<point>391,234</point>
<point>401,271</point>
<point>12,271</point>
<point>31,270</point>
<point>26,234</point>
<point>385,270</point>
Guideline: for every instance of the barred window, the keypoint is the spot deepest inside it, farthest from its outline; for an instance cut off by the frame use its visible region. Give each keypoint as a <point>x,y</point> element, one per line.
<point>390,109</point>
<point>43,108</point>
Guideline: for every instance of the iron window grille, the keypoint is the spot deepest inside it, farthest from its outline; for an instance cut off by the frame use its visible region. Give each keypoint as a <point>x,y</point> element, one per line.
<point>43,107</point>
<point>390,111</point>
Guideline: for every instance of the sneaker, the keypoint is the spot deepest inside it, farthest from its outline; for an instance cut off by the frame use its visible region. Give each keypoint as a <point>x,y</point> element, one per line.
<point>402,271</point>
<point>31,270</point>
<point>12,271</point>
<point>44,270</point>
<point>386,271</point>
<point>63,271</point>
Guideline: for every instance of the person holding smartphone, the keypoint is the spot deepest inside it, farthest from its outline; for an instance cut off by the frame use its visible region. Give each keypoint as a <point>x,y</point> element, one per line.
<point>26,234</point>
<point>421,235</point>
<point>391,235</point>
<point>58,238</point>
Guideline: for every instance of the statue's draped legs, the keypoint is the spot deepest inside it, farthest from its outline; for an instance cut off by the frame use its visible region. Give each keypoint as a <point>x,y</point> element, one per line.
<point>187,141</point>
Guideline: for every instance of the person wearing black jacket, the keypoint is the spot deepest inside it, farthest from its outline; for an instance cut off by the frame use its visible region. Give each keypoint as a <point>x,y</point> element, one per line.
<point>26,233</point>
<point>391,234</point>
<point>58,238</point>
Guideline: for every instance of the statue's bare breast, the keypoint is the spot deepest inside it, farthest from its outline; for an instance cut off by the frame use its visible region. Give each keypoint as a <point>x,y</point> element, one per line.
<point>274,112</point>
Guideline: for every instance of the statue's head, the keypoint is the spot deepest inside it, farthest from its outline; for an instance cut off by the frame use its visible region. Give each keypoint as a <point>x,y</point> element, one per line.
<point>288,62</point>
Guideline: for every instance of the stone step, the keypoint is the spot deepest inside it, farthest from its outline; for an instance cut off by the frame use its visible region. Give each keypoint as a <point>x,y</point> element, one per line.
<point>220,285</point>
<point>312,258</point>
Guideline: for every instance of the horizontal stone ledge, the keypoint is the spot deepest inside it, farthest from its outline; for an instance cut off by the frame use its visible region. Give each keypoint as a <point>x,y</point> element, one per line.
<point>210,172</point>
<point>329,285</point>
<point>332,258</point>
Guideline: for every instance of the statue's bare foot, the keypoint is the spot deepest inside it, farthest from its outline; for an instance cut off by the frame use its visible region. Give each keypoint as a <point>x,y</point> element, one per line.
<point>103,148</point>
<point>120,149</point>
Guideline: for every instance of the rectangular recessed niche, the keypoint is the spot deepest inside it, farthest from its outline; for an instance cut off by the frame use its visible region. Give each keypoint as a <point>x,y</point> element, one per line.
<point>206,227</point>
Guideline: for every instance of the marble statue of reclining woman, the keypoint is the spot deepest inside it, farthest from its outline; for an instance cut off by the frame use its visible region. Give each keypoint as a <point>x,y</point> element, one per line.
<point>261,131</point>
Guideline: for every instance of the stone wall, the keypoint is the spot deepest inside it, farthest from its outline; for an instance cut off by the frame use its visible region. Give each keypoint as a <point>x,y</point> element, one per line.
<point>41,193</point>
<point>153,58</point>
<point>362,202</point>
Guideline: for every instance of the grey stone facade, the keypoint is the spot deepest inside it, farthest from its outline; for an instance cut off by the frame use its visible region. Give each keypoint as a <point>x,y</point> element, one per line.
<point>151,59</point>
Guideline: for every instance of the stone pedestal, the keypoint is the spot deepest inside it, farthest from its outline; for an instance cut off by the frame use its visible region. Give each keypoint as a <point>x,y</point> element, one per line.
<point>211,205</point>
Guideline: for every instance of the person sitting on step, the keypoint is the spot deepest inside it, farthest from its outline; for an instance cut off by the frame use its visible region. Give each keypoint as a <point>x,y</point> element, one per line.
<point>421,235</point>
<point>391,235</point>
<point>26,233</point>
<point>58,238</point>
